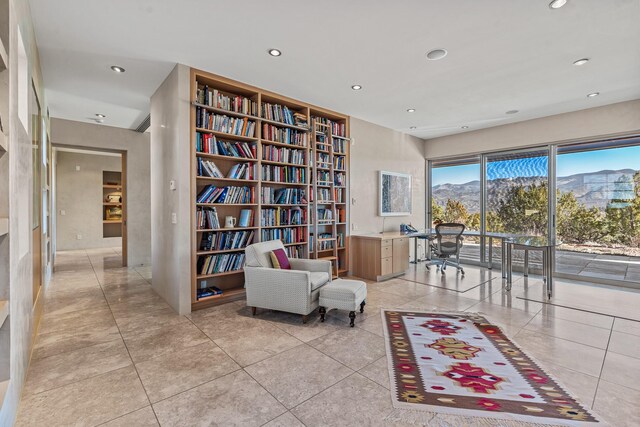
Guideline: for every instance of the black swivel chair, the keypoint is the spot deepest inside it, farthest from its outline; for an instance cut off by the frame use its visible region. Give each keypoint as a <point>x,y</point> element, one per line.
<point>447,244</point>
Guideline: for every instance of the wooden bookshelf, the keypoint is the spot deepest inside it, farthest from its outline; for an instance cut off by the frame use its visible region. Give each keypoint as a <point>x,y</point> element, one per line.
<point>112,202</point>
<point>284,159</point>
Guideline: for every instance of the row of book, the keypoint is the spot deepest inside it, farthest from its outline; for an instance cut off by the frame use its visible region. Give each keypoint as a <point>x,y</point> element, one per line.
<point>208,292</point>
<point>322,148</point>
<point>323,177</point>
<point>290,174</point>
<point>283,196</point>
<point>340,178</point>
<point>226,195</point>
<point>284,135</point>
<point>209,144</point>
<point>325,241</point>
<point>223,263</point>
<point>287,235</point>
<point>324,195</point>
<point>338,129</point>
<point>338,194</point>
<point>224,124</point>
<point>221,241</point>
<point>208,168</point>
<point>235,103</point>
<point>284,155</point>
<point>283,114</point>
<point>295,251</point>
<point>341,213</point>
<point>325,215</point>
<point>207,218</point>
<point>339,146</point>
<point>340,240</point>
<point>282,216</point>
<point>339,162</point>
<point>323,159</point>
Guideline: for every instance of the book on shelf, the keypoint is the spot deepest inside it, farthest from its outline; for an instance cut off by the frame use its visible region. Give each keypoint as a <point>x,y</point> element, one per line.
<point>226,240</point>
<point>323,160</point>
<point>283,196</point>
<point>226,195</point>
<point>339,162</point>
<point>282,114</point>
<point>223,263</point>
<point>295,251</point>
<point>337,128</point>
<point>285,174</point>
<point>224,124</point>
<point>208,168</point>
<point>325,241</point>
<point>246,218</point>
<point>210,144</point>
<point>284,155</point>
<point>300,119</point>
<point>339,146</point>
<point>270,217</point>
<point>325,215</point>
<point>208,292</point>
<point>323,177</point>
<point>341,214</point>
<point>338,195</point>
<point>287,235</point>
<point>340,179</point>
<point>217,99</point>
<point>324,195</point>
<point>340,240</point>
<point>284,135</point>
<point>242,171</point>
<point>207,218</point>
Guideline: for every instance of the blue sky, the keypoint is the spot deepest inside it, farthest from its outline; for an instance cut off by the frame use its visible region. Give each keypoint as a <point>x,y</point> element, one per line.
<point>567,164</point>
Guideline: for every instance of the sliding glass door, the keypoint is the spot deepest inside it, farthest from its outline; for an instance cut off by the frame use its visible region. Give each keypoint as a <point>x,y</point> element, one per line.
<point>455,197</point>
<point>517,186</point>
<point>598,210</point>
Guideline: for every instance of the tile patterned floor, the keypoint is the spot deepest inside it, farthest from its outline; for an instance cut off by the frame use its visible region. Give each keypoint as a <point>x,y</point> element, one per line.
<point>110,352</point>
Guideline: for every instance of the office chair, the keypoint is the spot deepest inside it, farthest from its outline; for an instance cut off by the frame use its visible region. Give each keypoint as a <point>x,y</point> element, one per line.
<point>448,243</point>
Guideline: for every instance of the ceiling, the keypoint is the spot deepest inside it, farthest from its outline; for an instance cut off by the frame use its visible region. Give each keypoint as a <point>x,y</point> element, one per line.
<point>503,55</point>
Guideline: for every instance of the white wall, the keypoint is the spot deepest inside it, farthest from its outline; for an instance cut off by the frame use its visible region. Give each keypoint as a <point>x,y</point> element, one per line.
<point>611,120</point>
<point>170,160</point>
<point>79,194</point>
<point>69,133</point>
<point>375,148</point>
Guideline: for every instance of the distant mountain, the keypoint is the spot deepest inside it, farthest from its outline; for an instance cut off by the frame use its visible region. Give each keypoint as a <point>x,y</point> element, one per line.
<point>593,189</point>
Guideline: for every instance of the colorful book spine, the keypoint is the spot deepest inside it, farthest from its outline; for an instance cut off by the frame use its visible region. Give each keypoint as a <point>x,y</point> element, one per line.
<point>284,135</point>
<point>225,101</point>
<point>207,218</point>
<point>226,195</point>
<point>283,196</point>
<point>271,217</point>
<point>284,155</point>
<point>287,235</point>
<point>228,240</point>
<point>223,263</point>
<point>287,174</point>
<point>224,124</point>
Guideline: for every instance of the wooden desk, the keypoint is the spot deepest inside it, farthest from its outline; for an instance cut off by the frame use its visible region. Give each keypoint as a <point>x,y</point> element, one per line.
<point>380,256</point>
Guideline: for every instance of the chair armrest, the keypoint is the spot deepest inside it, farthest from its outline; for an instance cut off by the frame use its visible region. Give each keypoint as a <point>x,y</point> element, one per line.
<point>317,265</point>
<point>276,279</point>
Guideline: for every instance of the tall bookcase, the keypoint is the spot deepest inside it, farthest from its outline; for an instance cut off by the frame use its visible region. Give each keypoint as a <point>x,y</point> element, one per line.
<point>264,149</point>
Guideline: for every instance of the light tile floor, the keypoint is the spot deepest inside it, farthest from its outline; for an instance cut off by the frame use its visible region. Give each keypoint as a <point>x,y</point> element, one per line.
<point>111,352</point>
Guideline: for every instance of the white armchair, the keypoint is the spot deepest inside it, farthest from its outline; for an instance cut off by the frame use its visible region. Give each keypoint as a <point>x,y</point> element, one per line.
<point>293,291</point>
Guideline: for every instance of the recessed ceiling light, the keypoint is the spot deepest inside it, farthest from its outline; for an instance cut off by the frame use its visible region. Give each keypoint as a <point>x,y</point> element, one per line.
<point>436,54</point>
<point>102,116</point>
<point>412,127</point>
<point>274,52</point>
<point>356,87</point>
<point>557,4</point>
<point>117,69</point>
<point>512,112</point>
<point>465,127</point>
<point>581,61</point>
<point>591,95</point>
<point>411,110</point>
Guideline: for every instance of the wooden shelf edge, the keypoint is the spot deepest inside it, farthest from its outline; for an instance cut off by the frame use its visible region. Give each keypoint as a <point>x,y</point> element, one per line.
<point>111,221</point>
<point>227,296</point>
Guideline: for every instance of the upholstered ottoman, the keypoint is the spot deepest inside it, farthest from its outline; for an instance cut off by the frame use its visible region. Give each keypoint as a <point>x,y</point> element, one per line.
<point>343,294</point>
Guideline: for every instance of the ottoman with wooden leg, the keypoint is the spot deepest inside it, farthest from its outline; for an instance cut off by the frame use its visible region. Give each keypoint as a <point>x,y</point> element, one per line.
<point>343,294</point>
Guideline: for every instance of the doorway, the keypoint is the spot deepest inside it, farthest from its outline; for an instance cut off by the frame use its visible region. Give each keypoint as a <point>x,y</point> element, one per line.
<point>90,204</point>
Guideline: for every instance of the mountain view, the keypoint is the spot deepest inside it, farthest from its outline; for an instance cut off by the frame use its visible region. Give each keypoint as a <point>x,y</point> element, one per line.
<point>593,189</point>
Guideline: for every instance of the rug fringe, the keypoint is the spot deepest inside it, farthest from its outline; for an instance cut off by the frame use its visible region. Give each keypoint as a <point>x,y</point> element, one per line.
<point>433,419</point>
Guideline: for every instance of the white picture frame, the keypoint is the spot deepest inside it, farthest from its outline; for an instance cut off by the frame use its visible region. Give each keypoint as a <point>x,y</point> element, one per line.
<point>394,194</point>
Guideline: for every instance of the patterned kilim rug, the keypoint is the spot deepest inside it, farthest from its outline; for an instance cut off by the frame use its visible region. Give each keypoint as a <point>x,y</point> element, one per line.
<point>465,371</point>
